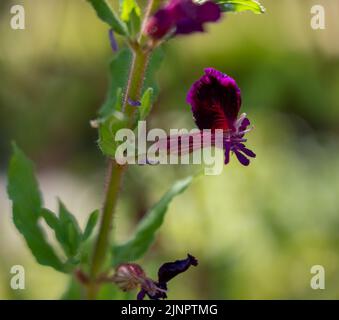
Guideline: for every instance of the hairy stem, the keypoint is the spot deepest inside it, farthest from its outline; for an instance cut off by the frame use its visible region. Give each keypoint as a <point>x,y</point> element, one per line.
<point>115,171</point>
<point>115,175</point>
<point>136,80</point>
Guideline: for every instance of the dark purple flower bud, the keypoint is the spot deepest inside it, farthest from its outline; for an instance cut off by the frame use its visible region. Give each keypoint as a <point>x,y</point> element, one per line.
<point>215,100</point>
<point>182,16</point>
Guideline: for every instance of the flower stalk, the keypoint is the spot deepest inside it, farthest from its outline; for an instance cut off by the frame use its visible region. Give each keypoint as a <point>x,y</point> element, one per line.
<point>136,80</point>
<point>116,172</point>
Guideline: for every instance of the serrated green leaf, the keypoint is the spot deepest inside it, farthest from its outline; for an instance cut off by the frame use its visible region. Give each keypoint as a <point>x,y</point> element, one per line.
<point>145,233</point>
<point>24,192</point>
<point>118,71</point>
<point>146,104</point>
<point>240,5</point>
<point>90,225</point>
<point>106,14</point>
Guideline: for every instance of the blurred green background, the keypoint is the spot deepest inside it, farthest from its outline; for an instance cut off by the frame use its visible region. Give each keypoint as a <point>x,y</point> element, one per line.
<point>256,231</point>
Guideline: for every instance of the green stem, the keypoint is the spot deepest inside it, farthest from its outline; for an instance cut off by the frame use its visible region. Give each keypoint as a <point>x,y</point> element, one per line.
<point>115,174</point>
<point>136,80</point>
<point>115,171</point>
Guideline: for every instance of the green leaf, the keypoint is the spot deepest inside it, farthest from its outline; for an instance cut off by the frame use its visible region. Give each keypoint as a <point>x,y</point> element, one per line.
<point>127,7</point>
<point>106,14</point>
<point>24,192</point>
<point>118,102</point>
<point>66,229</point>
<point>90,225</point>
<point>130,14</point>
<point>146,104</point>
<point>134,24</point>
<point>240,5</point>
<point>70,229</point>
<point>119,69</point>
<point>153,66</point>
<point>107,130</point>
<point>74,291</point>
<point>145,233</point>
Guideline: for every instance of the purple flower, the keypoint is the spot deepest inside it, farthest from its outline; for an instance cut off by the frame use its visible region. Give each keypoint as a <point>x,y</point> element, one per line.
<point>182,17</point>
<point>129,276</point>
<point>215,100</point>
<point>166,272</point>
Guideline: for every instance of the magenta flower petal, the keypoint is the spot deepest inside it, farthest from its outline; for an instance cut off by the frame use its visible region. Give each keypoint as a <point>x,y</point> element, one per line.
<point>209,12</point>
<point>227,149</point>
<point>215,100</point>
<point>247,152</point>
<point>183,16</point>
<point>190,17</point>
<point>244,124</point>
<point>242,159</point>
<point>159,24</point>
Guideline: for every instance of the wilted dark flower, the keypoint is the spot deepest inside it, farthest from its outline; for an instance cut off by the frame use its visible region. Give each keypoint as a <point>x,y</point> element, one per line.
<point>182,17</point>
<point>167,272</point>
<point>129,276</point>
<point>215,100</point>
